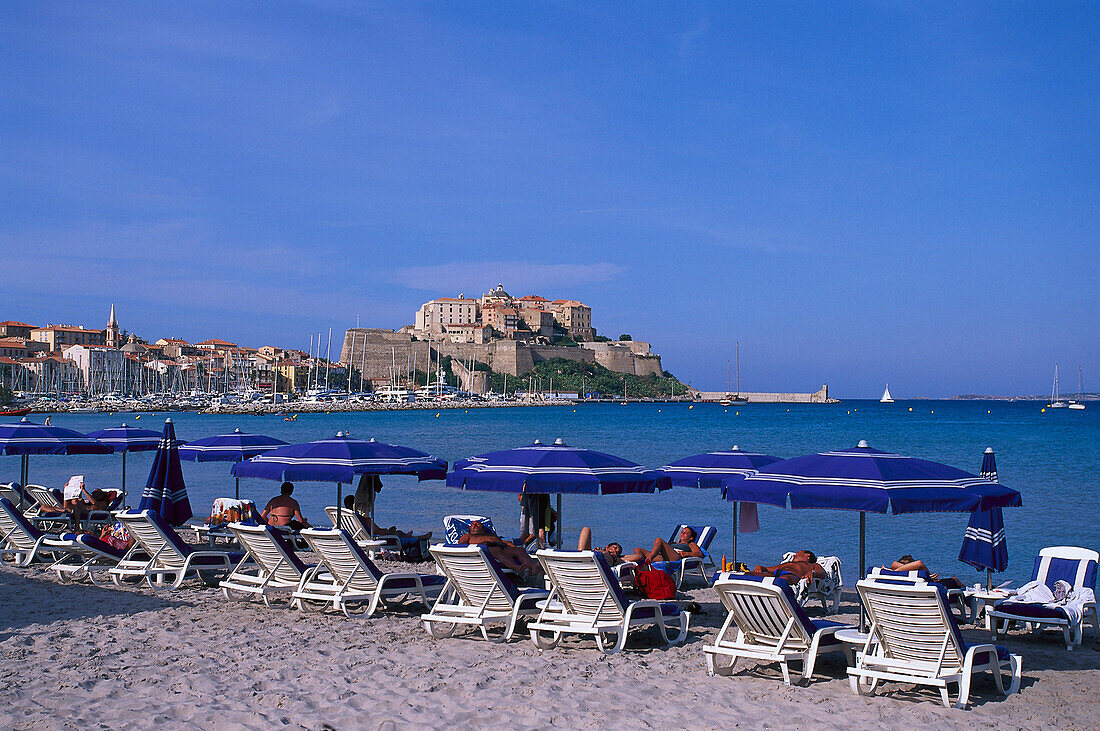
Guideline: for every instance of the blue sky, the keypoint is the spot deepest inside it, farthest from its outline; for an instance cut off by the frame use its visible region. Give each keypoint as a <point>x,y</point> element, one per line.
<point>857,193</point>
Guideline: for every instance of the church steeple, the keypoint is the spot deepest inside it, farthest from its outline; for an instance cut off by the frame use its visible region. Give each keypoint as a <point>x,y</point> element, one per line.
<point>112,330</point>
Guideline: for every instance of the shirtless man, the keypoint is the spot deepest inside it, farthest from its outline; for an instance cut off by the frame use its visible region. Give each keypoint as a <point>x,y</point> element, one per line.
<point>802,566</point>
<point>507,554</point>
<point>284,510</point>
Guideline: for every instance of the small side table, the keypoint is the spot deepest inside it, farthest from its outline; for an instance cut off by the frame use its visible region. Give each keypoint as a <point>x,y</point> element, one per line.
<point>979,599</point>
<point>854,641</point>
<point>372,546</point>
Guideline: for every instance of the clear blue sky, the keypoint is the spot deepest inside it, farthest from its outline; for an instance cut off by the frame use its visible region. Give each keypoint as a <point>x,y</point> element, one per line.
<point>858,193</point>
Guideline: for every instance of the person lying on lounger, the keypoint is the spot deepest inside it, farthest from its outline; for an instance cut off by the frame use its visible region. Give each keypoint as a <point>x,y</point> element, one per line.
<point>508,555</point>
<point>613,552</point>
<point>407,537</point>
<point>685,547</point>
<point>803,566</point>
<point>908,563</point>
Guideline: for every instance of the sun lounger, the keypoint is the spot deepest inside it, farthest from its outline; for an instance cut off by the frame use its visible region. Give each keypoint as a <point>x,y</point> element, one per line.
<point>13,492</point>
<point>693,564</point>
<point>477,593</point>
<point>169,556</point>
<point>825,589</point>
<point>270,567</point>
<point>586,598</point>
<point>956,598</point>
<point>765,622</point>
<point>47,505</point>
<point>23,541</point>
<point>353,523</point>
<point>84,556</point>
<point>1075,566</point>
<point>456,526</point>
<point>914,639</point>
<point>354,580</point>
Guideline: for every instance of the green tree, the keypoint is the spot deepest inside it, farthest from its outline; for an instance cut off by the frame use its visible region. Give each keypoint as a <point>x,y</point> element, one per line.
<point>624,337</point>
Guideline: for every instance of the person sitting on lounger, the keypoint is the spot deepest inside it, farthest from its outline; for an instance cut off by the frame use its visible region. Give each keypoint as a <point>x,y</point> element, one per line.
<point>613,552</point>
<point>508,555</point>
<point>407,537</point>
<point>908,563</point>
<point>803,566</point>
<point>283,510</point>
<point>662,550</point>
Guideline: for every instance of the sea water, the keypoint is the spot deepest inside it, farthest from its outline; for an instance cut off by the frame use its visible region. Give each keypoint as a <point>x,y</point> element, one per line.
<point>1051,457</point>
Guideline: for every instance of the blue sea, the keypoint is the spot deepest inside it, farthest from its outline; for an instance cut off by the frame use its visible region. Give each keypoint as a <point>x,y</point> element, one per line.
<point>1052,458</point>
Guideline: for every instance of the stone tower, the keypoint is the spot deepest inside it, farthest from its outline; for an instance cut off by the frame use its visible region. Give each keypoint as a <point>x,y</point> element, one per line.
<point>112,330</point>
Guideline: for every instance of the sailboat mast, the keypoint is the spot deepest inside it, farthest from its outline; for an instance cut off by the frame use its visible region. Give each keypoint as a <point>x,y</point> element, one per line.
<point>738,368</point>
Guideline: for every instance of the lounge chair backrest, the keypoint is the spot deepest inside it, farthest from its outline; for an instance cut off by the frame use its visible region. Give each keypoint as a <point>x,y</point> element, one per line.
<point>763,608</point>
<point>11,492</point>
<point>17,529</point>
<point>704,534</point>
<point>89,545</point>
<point>456,526</point>
<point>156,537</point>
<point>349,521</point>
<point>878,573</point>
<point>343,557</point>
<point>44,496</point>
<point>477,578</point>
<point>1077,566</point>
<point>270,551</point>
<point>585,584</point>
<point>913,623</point>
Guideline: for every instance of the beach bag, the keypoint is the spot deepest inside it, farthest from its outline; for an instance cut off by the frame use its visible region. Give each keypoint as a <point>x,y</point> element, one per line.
<point>655,584</point>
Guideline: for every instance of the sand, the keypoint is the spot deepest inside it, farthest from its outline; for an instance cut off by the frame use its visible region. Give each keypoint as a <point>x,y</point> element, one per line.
<point>79,656</point>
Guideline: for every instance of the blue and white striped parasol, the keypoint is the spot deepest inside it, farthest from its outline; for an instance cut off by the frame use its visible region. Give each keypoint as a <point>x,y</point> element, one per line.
<point>235,447</point>
<point>165,492</point>
<point>709,469</point>
<point>127,439</point>
<point>984,546</point>
<point>25,438</point>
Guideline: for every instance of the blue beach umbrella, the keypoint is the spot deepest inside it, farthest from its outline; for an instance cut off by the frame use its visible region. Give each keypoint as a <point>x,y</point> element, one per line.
<point>165,493</point>
<point>869,480</point>
<point>709,470</point>
<point>554,469</point>
<point>127,439</point>
<point>25,438</point>
<point>235,447</point>
<point>340,459</point>
<point>984,545</point>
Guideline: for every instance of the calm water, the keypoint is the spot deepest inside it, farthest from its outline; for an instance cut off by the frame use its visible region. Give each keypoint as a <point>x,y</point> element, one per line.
<point>1052,458</point>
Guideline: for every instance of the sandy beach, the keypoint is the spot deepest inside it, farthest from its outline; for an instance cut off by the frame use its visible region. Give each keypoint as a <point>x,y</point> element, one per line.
<point>81,656</point>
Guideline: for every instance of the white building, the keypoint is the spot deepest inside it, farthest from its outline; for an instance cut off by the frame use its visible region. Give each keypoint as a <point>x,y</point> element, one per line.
<point>102,369</point>
<point>433,316</point>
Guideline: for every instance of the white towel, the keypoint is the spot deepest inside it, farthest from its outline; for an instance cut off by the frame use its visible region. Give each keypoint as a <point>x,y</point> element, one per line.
<point>1036,592</point>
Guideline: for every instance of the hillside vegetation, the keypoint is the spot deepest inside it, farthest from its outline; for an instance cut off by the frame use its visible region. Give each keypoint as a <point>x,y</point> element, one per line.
<point>592,378</point>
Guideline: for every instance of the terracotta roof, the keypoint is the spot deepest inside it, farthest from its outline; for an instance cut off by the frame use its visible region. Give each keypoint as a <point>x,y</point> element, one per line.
<point>215,341</point>
<point>66,328</point>
<point>12,343</point>
<point>8,361</point>
<point>532,298</point>
<point>16,324</point>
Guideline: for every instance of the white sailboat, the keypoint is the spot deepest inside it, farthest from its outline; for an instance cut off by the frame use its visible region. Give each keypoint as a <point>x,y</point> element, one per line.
<point>1076,404</point>
<point>1055,402</point>
<point>886,397</point>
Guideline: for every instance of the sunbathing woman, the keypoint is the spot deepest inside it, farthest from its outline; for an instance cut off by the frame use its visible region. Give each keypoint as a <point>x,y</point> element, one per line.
<point>908,563</point>
<point>504,552</point>
<point>662,550</point>
<point>613,552</point>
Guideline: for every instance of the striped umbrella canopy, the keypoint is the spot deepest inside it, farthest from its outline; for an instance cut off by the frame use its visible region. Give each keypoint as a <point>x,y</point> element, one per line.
<point>340,459</point>
<point>870,480</point>
<point>984,546</point>
<point>26,437</point>
<point>555,469</point>
<point>235,447</point>
<point>709,469</point>
<point>165,492</point>
<point>127,439</point>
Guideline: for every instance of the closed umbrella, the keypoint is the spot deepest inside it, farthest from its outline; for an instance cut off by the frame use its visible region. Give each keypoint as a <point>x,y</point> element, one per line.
<point>340,459</point>
<point>165,492</point>
<point>984,545</point>
<point>555,469</point>
<point>235,447</point>
<point>127,439</point>
<point>26,438</point>
<point>710,469</point>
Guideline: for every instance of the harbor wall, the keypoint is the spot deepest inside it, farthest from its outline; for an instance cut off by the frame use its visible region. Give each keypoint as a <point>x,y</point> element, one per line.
<point>821,396</point>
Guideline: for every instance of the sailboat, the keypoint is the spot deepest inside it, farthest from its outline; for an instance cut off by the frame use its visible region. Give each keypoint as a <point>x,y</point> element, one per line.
<point>886,397</point>
<point>1055,402</point>
<point>734,398</point>
<point>1076,405</point>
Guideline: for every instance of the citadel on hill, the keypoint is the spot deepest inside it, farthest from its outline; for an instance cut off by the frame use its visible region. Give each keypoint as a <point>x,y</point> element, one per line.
<point>505,333</point>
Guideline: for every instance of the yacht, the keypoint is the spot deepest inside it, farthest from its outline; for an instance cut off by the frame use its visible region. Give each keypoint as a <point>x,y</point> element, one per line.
<point>886,397</point>
<point>1055,401</point>
<point>1076,404</point>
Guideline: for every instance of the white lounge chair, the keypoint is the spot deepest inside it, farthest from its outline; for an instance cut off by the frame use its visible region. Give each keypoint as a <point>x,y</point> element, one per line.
<point>23,541</point>
<point>825,589</point>
<point>353,523</point>
<point>477,593</point>
<point>586,598</point>
<point>693,564</point>
<point>1075,566</point>
<point>764,622</point>
<point>956,598</point>
<point>269,568</point>
<point>84,556</point>
<point>46,506</point>
<point>354,579</point>
<point>169,556</point>
<point>914,639</point>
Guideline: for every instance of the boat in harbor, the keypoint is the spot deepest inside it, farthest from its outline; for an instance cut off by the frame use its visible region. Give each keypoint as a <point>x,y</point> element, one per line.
<point>16,412</point>
<point>1055,401</point>
<point>734,398</point>
<point>1076,404</point>
<point>886,397</point>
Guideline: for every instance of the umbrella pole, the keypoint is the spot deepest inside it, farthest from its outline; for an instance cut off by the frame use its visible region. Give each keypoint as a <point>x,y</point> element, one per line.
<point>22,480</point>
<point>340,504</point>
<point>862,563</point>
<point>989,579</point>
<point>124,478</point>
<point>236,488</point>
<point>734,557</point>
<point>558,541</point>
